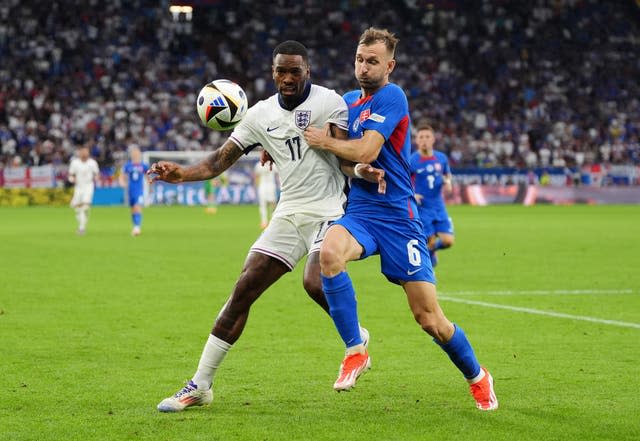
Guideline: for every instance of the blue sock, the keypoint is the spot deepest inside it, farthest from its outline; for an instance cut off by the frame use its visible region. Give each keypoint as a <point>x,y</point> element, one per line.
<point>137,219</point>
<point>341,298</point>
<point>461,353</point>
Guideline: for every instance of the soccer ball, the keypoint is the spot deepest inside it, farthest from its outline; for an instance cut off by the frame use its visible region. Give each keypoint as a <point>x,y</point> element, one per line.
<point>221,105</point>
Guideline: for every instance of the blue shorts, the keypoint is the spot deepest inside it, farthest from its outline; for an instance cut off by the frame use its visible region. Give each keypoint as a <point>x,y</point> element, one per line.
<point>400,242</point>
<point>136,199</point>
<point>436,222</point>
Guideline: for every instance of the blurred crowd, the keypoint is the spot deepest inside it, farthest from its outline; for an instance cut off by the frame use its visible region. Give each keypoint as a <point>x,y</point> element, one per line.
<point>517,84</point>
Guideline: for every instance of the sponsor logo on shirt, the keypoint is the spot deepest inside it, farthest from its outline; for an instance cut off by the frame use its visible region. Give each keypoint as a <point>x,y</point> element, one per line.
<point>377,118</point>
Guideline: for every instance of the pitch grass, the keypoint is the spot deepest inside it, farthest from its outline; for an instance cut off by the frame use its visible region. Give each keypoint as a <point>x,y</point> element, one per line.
<point>96,330</point>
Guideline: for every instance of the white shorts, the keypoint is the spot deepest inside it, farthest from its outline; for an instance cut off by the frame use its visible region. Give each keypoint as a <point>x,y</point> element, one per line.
<point>289,238</point>
<point>82,196</point>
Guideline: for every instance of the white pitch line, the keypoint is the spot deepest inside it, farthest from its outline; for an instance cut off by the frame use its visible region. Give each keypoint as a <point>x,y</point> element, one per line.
<point>543,292</point>
<point>541,312</point>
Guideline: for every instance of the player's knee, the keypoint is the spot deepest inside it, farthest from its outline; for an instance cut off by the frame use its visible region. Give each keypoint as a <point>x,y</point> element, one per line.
<point>313,286</point>
<point>331,262</point>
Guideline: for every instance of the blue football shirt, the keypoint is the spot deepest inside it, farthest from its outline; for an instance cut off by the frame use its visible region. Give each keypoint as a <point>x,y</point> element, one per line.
<point>135,177</point>
<point>387,112</point>
<point>428,173</point>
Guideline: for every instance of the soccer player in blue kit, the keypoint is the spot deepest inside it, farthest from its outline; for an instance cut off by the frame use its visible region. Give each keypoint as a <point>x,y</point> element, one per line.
<point>381,218</point>
<point>132,176</point>
<point>430,173</point>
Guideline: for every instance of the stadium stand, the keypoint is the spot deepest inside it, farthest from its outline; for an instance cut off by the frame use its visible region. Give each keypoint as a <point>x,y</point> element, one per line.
<point>510,84</point>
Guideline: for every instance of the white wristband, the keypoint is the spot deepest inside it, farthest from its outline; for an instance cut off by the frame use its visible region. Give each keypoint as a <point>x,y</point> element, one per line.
<point>355,170</point>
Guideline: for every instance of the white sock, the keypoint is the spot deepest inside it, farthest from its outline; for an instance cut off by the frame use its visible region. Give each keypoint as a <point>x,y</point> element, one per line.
<point>477,378</point>
<point>212,355</point>
<point>83,217</point>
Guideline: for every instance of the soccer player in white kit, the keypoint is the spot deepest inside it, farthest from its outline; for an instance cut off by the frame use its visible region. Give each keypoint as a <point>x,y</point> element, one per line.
<point>312,195</point>
<point>266,183</point>
<point>83,172</point>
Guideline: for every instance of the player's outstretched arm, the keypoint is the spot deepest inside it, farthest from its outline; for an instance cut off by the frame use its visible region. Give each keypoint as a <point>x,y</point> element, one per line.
<point>365,149</point>
<point>210,167</point>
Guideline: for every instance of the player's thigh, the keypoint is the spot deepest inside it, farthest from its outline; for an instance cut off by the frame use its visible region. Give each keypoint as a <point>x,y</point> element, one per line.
<point>403,251</point>
<point>351,237</point>
<point>136,200</point>
<point>82,196</point>
<point>427,224</point>
<point>312,266</point>
<point>259,271</point>
<point>339,244</point>
<point>444,225</point>
<point>314,230</point>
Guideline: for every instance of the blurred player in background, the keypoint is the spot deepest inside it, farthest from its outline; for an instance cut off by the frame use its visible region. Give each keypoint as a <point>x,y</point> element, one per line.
<point>430,173</point>
<point>266,178</point>
<point>212,188</point>
<point>311,197</point>
<point>132,176</point>
<point>83,172</point>
<point>381,219</point>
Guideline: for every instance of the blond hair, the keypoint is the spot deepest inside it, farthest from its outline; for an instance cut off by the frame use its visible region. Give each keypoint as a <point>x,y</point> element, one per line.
<point>377,35</point>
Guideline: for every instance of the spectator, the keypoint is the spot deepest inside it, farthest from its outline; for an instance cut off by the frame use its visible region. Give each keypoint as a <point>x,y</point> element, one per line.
<point>505,79</point>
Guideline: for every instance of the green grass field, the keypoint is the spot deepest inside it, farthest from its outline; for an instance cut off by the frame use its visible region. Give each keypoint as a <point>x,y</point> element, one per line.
<point>96,330</point>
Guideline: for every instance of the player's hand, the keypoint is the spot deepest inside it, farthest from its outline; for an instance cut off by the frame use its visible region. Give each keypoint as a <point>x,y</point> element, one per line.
<point>315,137</point>
<point>371,174</point>
<point>265,158</point>
<point>164,171</point>
<point>448,187</point>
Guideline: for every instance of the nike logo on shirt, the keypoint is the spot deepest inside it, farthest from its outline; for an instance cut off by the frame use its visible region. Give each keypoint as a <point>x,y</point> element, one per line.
<point>271,129</point>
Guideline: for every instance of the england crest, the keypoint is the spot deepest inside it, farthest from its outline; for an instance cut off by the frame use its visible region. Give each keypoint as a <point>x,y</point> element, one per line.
<point>303,118</point>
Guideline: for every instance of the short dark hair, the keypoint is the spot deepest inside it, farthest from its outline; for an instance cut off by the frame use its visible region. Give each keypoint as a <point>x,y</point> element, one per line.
<point>377,35</point>
<point>291,47</point>
<point>424,124</point>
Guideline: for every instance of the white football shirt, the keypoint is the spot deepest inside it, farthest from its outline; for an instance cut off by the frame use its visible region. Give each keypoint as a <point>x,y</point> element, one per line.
<point>85,172</point>
<point>310,180</point>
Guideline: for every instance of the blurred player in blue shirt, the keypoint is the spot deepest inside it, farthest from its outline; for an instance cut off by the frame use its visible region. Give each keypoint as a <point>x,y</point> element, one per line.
<point>430,172</point>
<point>382,218</point>
<point>132,177</point>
